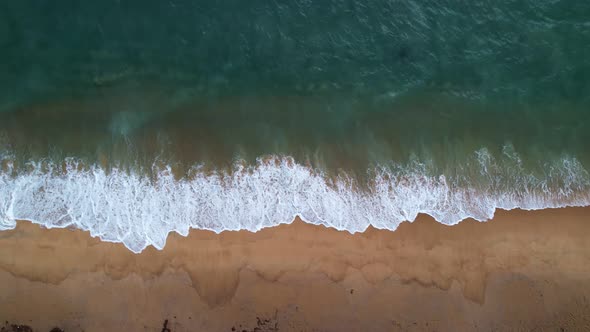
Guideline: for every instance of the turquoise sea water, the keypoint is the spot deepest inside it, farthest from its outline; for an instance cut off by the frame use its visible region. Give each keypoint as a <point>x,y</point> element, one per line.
<point>133,119</point>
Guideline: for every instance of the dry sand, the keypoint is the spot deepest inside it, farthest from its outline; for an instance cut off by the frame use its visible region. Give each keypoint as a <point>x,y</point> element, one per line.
<point>521,271</point>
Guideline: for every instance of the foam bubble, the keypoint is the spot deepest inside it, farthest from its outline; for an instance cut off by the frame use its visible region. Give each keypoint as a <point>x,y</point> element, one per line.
<point>140,211</point>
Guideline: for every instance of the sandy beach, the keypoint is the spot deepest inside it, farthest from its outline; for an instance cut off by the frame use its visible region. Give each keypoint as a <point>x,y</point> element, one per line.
<point>521,271</point>
<point>304,166</point>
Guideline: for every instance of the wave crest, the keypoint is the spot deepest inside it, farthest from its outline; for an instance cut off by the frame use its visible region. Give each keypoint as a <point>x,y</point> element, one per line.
<point>139,211</point>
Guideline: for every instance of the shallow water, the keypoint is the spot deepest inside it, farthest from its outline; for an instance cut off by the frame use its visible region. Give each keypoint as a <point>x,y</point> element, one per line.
<point>133,120</point>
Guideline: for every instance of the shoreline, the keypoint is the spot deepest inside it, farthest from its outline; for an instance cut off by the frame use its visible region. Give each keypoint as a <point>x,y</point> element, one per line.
<point>140,211</point>
<point>522,269</point>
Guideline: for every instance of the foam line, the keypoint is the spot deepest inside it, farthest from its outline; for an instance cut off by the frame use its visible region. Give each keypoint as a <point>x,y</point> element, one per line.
<point>137,211</point>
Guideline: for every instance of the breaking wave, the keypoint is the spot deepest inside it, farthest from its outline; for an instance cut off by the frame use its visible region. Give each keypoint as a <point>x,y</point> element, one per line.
<point>140,210</point>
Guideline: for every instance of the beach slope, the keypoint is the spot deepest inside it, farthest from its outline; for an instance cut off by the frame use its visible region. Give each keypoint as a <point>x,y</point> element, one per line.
<point>523,270</point>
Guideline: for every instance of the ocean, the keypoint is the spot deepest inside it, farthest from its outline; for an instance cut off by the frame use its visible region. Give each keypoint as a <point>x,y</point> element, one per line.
<point>133,119</point>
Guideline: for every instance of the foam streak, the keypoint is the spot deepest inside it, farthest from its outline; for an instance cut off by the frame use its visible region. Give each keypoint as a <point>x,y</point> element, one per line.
<point>138,211</point>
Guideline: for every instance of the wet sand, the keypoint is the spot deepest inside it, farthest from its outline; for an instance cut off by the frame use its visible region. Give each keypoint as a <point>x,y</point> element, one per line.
<point>524,270</point>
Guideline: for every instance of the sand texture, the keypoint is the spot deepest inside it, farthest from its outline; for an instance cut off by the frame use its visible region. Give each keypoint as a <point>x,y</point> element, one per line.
<point>522,271</point>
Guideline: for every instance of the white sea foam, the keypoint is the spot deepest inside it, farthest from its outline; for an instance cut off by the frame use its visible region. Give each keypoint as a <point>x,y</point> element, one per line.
<point>137,211</point>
